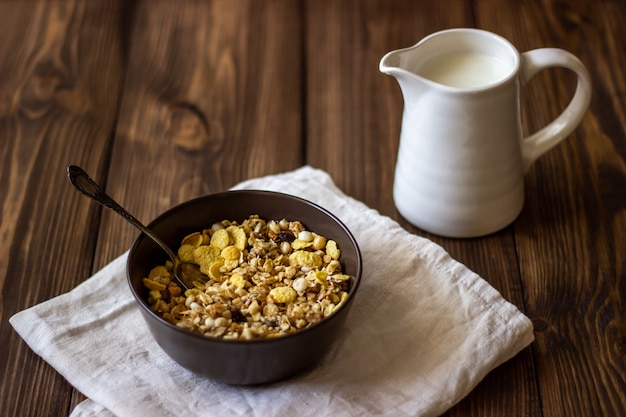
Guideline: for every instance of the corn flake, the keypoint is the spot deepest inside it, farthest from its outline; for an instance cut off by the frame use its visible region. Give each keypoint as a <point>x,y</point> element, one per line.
<point>258,286</point>
<point>154,296</point>
<point>153,285</point>
<point>341,277</point>
<point>238,281</point>
<point>214,270</point>
<point>344,297</point>
<point>231,264</point>
<point>320,277</point>
<point>283,295</point>
<point>205,254</point>
<point>332,250</point>
<point>185,253</point>
<point>230,253</point>
<point>305,258</point>
<point>159,271</point>
<point>298,244</point>
<point>238,236</point>
<point>220,239</point>
<point>195,239</point>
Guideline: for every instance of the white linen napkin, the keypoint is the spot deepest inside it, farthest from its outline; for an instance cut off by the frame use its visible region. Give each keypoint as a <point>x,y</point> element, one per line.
<point>422,332</point>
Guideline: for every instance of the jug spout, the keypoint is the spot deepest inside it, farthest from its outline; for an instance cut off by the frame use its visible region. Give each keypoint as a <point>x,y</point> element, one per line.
<point>391,64</point>
<point>399,64</point>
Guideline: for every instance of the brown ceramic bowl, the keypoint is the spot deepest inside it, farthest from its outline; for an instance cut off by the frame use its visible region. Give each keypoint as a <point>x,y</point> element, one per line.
<point>242,361</point>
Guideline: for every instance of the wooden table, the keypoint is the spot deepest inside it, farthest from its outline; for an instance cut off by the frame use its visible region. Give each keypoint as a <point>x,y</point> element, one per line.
<point>164,100</point>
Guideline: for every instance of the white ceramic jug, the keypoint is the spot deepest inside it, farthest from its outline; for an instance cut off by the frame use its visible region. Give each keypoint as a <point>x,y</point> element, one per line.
<point>462,157</point>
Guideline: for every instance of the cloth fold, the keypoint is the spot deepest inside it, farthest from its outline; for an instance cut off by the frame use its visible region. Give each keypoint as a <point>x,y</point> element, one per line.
<point>422,333</point>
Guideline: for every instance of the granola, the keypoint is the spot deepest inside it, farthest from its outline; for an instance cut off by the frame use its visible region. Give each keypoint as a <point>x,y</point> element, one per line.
<point>266,279</point>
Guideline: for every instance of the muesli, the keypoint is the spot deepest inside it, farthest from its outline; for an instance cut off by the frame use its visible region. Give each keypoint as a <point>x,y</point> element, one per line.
<point>265,279</point>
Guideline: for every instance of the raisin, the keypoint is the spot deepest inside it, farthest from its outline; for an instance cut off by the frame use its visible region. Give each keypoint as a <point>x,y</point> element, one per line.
<point>237,316</point>
<point>285,236</point>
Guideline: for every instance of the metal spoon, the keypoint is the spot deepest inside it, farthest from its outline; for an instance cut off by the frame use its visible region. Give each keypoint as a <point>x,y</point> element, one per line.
<point>185,273</point>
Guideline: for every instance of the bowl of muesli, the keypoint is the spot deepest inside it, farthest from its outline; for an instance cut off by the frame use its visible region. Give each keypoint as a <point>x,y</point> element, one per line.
<point>279,277</point>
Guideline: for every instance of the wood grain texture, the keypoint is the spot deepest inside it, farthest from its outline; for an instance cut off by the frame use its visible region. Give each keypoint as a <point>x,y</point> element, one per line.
<point>353,118</point>
<point>60,79</point>
<point>571,235</point>
<point>218,105</point>
<point>164,100</point>
<point>353,110</point>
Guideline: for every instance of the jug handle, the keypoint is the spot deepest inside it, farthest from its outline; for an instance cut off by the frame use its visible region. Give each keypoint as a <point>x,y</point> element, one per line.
<point>549,136</point>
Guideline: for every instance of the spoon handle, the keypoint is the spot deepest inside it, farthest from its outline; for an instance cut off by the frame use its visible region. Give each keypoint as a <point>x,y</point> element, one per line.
<point>83,183</point>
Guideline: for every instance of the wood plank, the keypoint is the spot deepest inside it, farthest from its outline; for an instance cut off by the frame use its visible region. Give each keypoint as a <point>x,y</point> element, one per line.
<point>570,238</point>
<point>209,100</point>
<point>59,85</point>
<point>210,81</point>
<point>353,110</point>
<point>353,124</point>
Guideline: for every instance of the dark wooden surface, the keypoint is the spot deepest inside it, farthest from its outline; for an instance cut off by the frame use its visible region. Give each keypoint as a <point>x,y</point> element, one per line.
<point>163,100</point>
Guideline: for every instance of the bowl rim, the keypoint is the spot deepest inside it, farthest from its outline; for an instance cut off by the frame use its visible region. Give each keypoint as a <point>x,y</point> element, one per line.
<point>353,289</point>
